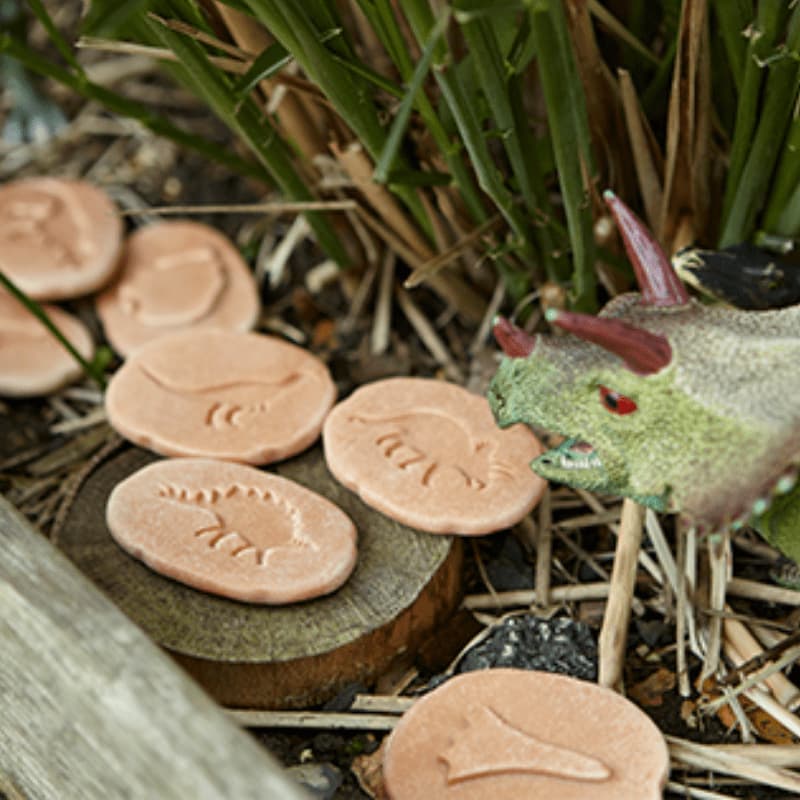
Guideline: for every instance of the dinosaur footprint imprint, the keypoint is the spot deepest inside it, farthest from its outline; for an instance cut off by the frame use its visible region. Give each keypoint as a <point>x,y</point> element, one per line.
<point>243,521</point>
<point>232,400</point>
<point>175,288</point>
<point>432,446</point>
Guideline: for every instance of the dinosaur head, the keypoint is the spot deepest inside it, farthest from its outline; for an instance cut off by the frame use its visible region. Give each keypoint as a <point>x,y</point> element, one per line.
<point>680,406</point>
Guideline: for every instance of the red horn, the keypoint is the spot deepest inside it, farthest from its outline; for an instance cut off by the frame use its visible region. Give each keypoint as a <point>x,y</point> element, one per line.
<point>659,284</point>
<point>642,351</point>
<point>514,341</point>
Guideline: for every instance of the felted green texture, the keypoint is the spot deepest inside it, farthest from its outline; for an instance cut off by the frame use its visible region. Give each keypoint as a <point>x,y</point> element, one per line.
<point>712,433</point>
<point>395,563</point>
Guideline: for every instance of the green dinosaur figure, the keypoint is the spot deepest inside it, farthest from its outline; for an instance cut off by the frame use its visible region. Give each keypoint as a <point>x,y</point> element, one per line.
<point>681,406</point>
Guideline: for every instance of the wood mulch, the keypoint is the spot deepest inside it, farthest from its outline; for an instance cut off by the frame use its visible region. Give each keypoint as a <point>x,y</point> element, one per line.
<point>367,326</point>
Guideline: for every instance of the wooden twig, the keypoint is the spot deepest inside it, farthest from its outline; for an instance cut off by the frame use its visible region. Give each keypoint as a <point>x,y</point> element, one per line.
<point>428,335</point>
<point>754,590</point>
<point>382,318</point>
<point>614,632</point>
<point>731,762</point>
<point>544,551</point>
<point>272,209</point>
<point>719,560</point>
<point>748,648</point>
<point>326,720</point>
<point>527,597</point>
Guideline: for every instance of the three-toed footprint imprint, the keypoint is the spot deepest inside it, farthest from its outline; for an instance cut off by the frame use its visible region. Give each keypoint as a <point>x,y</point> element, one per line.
<point>242,521</point>
<point>435,447</point>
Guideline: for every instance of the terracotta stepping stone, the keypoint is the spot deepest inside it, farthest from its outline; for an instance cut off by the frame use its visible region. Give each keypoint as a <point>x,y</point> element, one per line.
<point>406,585</point>
<point>516,733</point>
<point>211,393</point>
<point>233,530</point>
<point>176,275</point>
<point>32,361</point>
<point>58,238</point>
<point>429,454</point>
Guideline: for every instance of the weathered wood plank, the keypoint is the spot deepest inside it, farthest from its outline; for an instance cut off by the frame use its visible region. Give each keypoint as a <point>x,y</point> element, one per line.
<point>90,708</point>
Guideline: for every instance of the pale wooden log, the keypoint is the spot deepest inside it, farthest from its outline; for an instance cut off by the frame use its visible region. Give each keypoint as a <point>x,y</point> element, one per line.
<point>90,708</point>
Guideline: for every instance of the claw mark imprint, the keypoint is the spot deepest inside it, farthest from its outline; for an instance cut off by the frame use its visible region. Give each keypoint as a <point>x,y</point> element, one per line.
<point>38,216</point>
<point>244,521</point>
<point>492,746</point>
<point>247,396</point>
<point>437,448</point>
<point>175,288</point>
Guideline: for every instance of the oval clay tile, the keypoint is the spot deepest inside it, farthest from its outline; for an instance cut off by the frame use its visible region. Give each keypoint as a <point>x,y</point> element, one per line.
<point>507,733</point>
<point>58,238</point>
<point>32,361</point>
<point>429,454</point>
<point>176,275</point>
<point>216,394</point>
<point>233,530</point>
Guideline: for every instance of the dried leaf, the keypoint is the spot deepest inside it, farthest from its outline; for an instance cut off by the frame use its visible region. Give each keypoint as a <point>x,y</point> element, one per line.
<point>650,692</point>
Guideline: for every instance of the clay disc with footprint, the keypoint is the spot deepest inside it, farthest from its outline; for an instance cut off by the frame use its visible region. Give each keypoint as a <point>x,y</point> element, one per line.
<point>233,530</point>
<point>32,360</point>
<point>500,733</point>
<point>429,454</point>
<point>59,238</point>
<point>210,393</point>
<point>177,275</point>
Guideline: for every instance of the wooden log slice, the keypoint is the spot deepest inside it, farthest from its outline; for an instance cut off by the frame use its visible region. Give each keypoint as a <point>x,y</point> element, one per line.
<point>406,583</point>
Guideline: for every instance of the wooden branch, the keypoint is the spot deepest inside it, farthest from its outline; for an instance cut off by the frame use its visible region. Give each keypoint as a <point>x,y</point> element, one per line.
<point>91,708</point>
<point>614,633</point>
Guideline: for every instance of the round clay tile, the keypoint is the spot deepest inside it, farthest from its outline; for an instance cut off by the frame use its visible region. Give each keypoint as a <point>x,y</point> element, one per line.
<point>506,733</point>
<point>58,238</point>
<point>177,275</point>
<point>216,394</point>
<point>429,454</point>
<point>32,360</point>
<point>233,530</point>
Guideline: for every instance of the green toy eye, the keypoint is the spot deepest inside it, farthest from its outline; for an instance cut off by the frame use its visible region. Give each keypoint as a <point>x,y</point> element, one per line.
<point>615,402</point>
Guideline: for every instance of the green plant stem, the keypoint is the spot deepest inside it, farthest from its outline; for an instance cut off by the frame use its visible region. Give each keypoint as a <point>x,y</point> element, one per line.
<point>382,18</point>
<point>780,95</point>
<point>90,370</point>
<point>463,108</point>
<point>569,127</point>
<point>733,17</point>
<point>503,94</point>
<point>242,116</point>
<point>129,108</point>
<point>762,39</point>
<point>351,96</point>
<point>394,139</point>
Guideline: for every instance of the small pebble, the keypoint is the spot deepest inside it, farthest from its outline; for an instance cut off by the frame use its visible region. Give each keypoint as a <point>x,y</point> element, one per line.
<point>320,780</point>
<point>59,238</point>
<point>32,361</point>
<point>177,275</point>
<point>524,641</point>
<point>210,393</point>
<point>233,530</point>
<point>429,454</point>
<point>504,733</point>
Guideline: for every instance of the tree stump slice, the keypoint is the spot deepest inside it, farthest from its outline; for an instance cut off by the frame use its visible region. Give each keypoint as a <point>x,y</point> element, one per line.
<point>405,584</point>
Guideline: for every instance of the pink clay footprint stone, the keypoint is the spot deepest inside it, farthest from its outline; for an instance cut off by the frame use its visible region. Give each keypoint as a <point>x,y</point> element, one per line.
<point>32,361</point>
<point>216,394</point>
<point>508,733</point>
<point>59,238</point>
<point>233,530</point>
<point>428,454</point>
<point>177,275</point>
